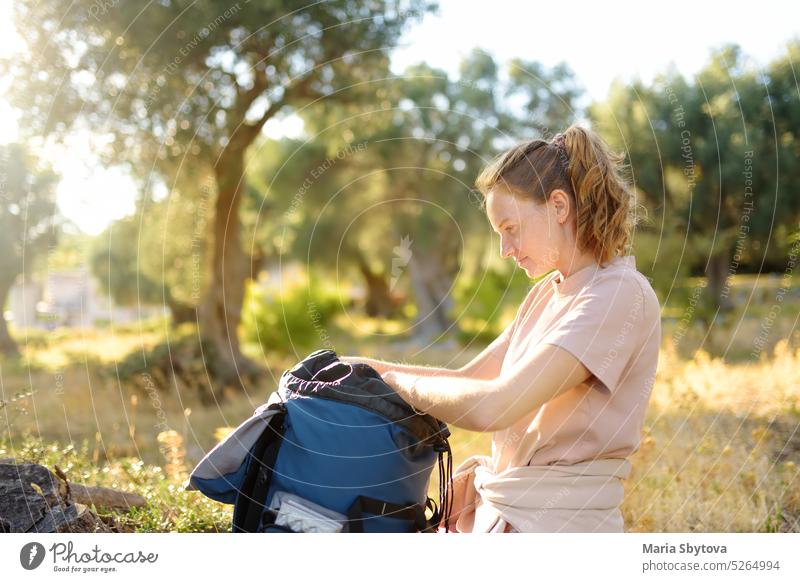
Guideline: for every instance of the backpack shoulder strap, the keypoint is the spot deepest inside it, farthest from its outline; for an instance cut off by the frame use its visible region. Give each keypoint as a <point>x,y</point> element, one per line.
<point>253,495</point>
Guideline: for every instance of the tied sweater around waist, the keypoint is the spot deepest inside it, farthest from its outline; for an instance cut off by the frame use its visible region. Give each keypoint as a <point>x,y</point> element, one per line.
<point>582,497</point>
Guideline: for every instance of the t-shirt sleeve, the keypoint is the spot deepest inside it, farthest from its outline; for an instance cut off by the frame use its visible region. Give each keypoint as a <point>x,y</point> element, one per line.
<point>603,328</point>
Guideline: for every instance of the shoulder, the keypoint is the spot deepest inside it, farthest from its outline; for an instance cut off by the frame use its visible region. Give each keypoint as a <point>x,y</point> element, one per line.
<point>627,285</point>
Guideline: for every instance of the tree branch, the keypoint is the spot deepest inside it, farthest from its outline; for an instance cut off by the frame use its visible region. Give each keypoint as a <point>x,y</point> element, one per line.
<point>247,133</point>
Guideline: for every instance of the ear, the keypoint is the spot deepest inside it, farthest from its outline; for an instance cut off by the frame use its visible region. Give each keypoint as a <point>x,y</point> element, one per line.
<point>561,205</point>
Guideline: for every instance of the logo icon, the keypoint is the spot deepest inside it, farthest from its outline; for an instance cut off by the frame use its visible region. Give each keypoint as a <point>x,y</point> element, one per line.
<point>402,254</point>
<point>31,555</point>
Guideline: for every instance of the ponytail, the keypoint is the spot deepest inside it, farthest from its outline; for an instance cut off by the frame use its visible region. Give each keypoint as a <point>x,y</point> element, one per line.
<point>604,202</point>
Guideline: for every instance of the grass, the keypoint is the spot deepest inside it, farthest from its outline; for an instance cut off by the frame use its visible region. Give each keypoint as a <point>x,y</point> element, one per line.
<point>720,449</point>
<point>169,508</point>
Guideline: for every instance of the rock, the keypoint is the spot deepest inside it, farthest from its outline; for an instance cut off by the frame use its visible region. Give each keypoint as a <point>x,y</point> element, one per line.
<point>27,494</point>
<point>33,499</point>
<point>85,521</point>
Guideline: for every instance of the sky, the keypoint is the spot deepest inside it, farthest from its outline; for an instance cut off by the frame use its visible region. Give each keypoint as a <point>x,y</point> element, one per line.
<point>600,41</point>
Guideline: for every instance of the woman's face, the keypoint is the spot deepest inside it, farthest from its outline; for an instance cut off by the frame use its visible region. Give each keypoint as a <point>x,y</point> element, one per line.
<point>532,234</point>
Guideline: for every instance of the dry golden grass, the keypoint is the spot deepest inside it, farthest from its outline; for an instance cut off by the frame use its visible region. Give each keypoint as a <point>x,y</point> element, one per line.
<point>66,347</point>
<point>720,449</point>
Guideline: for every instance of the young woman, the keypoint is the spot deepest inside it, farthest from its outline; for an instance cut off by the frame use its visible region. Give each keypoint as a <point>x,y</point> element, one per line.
<point>564,388</point>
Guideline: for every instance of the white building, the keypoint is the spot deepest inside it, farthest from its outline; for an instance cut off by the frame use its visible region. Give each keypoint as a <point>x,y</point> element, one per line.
<point>68,299</point>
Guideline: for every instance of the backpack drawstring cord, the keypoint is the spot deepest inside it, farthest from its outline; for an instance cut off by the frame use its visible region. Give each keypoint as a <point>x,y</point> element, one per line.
<point>445,483</point>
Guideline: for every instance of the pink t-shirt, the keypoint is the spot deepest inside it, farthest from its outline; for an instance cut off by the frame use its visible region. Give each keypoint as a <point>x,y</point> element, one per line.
<point>608,318</point>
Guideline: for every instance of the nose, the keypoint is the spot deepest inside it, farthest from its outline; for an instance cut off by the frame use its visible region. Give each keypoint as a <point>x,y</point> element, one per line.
<point>506,249</point>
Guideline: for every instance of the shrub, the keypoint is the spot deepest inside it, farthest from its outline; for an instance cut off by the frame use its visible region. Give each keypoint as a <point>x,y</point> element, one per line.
<point>292,316</point>
<point>484,304</point>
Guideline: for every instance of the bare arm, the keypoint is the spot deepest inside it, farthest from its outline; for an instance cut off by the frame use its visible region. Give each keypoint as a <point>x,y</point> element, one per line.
<point>492,405</point>
<point>484,366</point>
<point>382,366</point>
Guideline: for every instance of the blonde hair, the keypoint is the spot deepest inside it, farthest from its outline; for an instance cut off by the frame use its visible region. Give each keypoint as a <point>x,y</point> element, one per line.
<point>581,164</point>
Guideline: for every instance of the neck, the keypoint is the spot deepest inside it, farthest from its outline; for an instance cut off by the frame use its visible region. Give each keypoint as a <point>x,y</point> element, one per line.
<point>574,262</point>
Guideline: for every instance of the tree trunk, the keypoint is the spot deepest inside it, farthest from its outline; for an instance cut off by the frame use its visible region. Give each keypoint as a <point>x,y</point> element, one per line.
<point>717,273</point>
<point>180,312</point>
<point>220,311</point>
<point>106,498</point>
<point>432,269</point>
<point>431,284</point>
<point>379,300</point>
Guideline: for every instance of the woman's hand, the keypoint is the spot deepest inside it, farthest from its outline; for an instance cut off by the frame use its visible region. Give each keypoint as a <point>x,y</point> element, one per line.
<point>390,377</point>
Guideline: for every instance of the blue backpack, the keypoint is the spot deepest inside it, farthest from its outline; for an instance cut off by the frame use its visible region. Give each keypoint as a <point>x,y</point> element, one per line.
<point>334,449</point>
